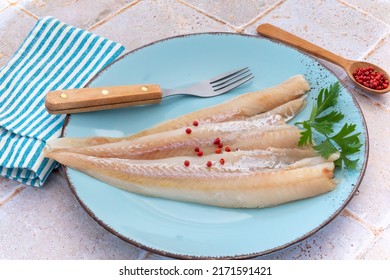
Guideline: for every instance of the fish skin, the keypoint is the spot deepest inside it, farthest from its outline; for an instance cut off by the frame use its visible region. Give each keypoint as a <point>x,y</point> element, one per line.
<point>285,99</point>
<point>217,186</point>
<point>243,135</point>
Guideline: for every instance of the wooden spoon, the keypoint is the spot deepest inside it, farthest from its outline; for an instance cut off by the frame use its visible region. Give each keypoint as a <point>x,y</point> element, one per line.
<point>349,66</point>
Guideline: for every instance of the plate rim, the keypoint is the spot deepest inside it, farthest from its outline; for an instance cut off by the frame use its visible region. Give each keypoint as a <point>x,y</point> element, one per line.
<point>238,256</point>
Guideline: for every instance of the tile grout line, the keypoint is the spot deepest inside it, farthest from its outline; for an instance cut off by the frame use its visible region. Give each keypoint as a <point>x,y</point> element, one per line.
<point>362,11</point>
<point>121,10</point>
<point>349,213</point>
<point>5,8</point>
<point>364,251</point>
<point>377,232</point>
<point>13,194</point>
<point>11,2</point>
<point>209,15</point>
<point>265,13</point>
<point>372,101</point>
<point>376,46</point>
<point>15,4</point>
<point>27,12</point>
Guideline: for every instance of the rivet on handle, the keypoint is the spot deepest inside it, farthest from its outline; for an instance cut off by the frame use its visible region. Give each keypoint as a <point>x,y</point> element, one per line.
<point>63,95</point>
<point>144,88</point>
<point>104,91</point>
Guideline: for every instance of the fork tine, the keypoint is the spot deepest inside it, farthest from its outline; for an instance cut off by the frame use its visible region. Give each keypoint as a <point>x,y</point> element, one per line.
<point>234,84</point>
<point>227,74</point>
<point>230,79</point>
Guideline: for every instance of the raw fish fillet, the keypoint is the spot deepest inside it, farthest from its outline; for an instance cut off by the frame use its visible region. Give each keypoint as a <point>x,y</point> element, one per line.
<point>241,135</point>
<point>247,179</point>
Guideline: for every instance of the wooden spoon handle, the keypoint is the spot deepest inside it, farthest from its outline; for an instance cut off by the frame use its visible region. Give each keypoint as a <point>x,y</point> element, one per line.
<point>274,32</point>
<point>99,98</point>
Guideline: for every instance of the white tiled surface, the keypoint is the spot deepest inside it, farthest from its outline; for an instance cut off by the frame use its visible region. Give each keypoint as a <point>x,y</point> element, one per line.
<point>343,30</point>
<point>235,12</point>
<point>10,40</point>
<point>378,8</point>
<point>82,13</point>
<point>3,5</point>
<point>149,20</point>
<point>49,223</point>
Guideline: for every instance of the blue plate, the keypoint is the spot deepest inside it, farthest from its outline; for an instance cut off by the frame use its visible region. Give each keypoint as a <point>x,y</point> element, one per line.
<point>186,230</point>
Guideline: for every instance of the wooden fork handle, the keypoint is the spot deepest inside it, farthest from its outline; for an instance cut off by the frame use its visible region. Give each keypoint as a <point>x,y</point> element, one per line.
<point>100,98</point>
<point>273,32</point>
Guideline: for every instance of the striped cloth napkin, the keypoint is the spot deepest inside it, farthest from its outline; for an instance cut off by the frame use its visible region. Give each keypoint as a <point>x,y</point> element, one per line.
<point>53,56</point>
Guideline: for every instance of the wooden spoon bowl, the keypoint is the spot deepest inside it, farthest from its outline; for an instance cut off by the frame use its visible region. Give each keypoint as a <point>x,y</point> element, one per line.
<point>349,66</point>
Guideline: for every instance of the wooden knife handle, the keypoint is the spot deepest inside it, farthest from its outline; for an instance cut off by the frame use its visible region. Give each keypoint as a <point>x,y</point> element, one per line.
<point>101,98</point>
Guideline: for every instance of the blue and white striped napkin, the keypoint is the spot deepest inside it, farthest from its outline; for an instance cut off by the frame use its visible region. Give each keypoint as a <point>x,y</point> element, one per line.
<point>53,56</point>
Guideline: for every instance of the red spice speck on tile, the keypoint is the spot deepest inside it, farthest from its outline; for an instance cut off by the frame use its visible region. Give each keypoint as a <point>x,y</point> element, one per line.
<point>188,130</point>
<point>187,163</point>
<point>209,164</point>
<point>195,123</point>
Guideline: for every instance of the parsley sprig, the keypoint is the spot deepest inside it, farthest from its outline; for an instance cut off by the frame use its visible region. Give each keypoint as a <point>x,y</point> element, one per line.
<point>322,120</point>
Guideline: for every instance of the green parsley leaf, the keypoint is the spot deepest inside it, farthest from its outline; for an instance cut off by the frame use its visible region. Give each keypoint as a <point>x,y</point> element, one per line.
<point>345,141</point>
<point>326,148</point>
<point>352,148</point>
<point>324,127</point>
<point>350,164</point>
<point>333,116</point>
<point>306,136</point>
<point>327,98</point>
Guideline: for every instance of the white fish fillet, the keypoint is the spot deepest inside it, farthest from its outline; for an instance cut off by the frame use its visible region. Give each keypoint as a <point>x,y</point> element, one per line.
<point>286,111</point>
<point>243,182</point>
<point>285,99</point>
<point>242,135</point>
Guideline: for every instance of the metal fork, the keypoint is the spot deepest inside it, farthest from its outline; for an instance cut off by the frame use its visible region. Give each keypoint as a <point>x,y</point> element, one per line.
<point>102,98</point>
<point>214,86</point>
